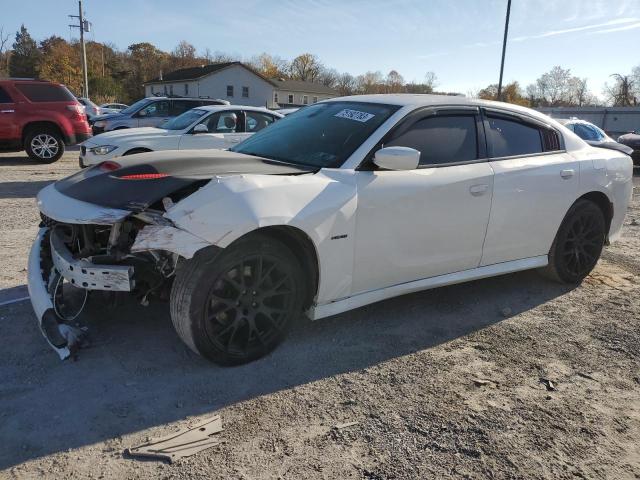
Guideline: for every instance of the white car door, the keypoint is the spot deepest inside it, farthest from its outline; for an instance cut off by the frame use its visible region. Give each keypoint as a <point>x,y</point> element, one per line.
<point>429,221</point>
<point>225,129</point>
<point>535,183</point>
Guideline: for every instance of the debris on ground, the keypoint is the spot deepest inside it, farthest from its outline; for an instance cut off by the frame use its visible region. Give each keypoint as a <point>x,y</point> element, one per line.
<point>549,385</point>
<point>184,443</point>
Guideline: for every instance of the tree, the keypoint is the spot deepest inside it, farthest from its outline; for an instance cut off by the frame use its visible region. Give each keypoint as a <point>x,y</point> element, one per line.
<point>183,56</point>
<point>511,93</point>
<point>394,82</point>
<point>430,81</point>
<point>60,62</point>
<point>621,94</point>
<point>557,88</point>
<point>25,56</point>
<point>370,82</point>
<point>306,67</point>
<point>345,84</point>
<point>270,66</point>
<point>4,54</point>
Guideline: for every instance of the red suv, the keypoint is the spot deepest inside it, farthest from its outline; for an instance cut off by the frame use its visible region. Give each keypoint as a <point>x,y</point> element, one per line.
<point>40,117</point>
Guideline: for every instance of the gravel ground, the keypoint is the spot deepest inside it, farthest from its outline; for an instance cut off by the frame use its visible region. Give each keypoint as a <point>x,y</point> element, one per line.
<point>442,384</point>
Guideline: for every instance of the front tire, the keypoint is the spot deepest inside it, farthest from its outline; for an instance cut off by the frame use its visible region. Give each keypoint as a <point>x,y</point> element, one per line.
<point>578,243</point>
<point>235,305</point>
<point>44,145</point>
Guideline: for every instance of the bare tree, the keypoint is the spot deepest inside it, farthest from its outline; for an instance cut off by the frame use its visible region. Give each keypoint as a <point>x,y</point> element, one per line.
<point>306,67</point>
<point>345,84</point>
<point>4,54</point>
<point>394,82</point>
<point>621,93</point>
<point>431,80</point>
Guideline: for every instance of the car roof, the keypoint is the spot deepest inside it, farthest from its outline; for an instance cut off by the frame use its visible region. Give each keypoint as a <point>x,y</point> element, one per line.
<point>432,100</point>
<point>221,108</point>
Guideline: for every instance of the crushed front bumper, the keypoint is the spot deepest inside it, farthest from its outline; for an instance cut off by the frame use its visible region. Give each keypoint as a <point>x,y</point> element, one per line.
<point>63,338</point>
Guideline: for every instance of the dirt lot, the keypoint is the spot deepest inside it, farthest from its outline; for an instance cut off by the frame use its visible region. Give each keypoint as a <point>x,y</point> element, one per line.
<point>443,384</point>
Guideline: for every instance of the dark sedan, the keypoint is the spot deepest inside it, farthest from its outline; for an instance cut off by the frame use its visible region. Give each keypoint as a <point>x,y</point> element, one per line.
<point>632,140</point>
<point>593,135</point>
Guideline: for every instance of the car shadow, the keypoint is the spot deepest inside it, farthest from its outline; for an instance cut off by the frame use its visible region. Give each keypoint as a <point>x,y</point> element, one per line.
<point>22,189</point>
<point>138,374</point>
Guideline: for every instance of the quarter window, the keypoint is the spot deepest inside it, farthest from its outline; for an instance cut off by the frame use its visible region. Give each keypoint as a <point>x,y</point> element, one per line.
<point>4,96</point>
<point>441,139</point>
<point>45,92</point>
<point>229,90</point>
<point>510,137</point>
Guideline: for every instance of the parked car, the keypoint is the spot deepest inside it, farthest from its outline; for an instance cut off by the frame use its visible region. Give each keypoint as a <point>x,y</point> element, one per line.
<point>632,140</point>
<point>90,108</point>
<point>113,107</point>
<point>149,112</point>
<point>593,135</point>
<point>218,126</point>
<point>348,202</point>
<point>40,117</point>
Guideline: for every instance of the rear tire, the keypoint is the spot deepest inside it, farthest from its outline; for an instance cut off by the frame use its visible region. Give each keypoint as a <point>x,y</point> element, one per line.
<point>578,244</point>
<point>235,305</point>
<point>44,144</point>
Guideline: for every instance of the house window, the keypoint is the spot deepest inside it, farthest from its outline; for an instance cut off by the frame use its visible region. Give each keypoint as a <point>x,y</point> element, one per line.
<point>290,98</point>
<point>275,97</point>
<point>315,99</point>
<point>245,92</point>
<point>229,90</point>
<point>186,89</point>
<point>164,88</point>
<point>305,99</point>
<point>170,89</point>
<point>152,91</point>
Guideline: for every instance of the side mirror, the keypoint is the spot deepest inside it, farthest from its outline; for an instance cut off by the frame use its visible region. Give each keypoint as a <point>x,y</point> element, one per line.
<point>201,128</point>
<point>397,158</point>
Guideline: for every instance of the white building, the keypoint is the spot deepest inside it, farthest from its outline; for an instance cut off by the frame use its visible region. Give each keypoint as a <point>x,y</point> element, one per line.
<point>239,84</point>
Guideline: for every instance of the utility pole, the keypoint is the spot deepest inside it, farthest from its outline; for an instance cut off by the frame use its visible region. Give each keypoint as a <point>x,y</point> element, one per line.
<point>504,48</point>
<point>84,27</point>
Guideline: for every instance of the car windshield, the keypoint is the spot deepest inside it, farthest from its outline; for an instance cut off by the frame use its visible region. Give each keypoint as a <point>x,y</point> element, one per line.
<point>183,120</point>
<point>322,135</point>
<point>135,107</point>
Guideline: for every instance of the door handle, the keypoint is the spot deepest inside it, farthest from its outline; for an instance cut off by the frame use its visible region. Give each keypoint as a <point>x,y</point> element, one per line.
<point>567,173</point>
<point>477,190</point>
<point>7,111</point>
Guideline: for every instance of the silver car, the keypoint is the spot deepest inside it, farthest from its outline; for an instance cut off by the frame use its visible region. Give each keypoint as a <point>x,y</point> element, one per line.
<point>149,112</point>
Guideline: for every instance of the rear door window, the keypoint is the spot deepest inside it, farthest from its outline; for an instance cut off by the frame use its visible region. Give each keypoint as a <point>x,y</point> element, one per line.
<point>441,139</point>
<point>45,92</point>
<point>4,96</point>
<point>256,121</point>
<point>508,138</point>
<point>157,109</point>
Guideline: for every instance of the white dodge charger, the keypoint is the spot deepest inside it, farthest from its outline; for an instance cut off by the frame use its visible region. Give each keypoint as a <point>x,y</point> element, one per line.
<point>341,204</point>
<point>217,126</point>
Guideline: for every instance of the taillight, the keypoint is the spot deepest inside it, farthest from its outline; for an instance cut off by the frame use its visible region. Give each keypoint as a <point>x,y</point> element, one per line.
<point>77,112</point>
<point>109,166</point>
<point>144,176</point>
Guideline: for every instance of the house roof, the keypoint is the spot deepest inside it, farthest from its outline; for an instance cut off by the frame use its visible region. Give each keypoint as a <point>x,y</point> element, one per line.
<point>301,86</point>
<point>194,73</point>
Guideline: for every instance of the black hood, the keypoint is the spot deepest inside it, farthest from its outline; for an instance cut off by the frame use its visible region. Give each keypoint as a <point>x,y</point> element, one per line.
<point>144,179</point>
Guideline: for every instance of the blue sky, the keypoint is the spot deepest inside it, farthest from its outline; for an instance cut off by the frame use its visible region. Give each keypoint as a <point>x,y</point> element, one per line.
<point>460,40</point>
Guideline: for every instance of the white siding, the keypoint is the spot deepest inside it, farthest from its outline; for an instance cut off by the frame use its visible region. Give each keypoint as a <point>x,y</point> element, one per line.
<point>215,86</point>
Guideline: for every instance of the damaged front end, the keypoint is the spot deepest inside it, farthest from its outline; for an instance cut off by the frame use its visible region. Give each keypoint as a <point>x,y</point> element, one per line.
<point>88,248</point>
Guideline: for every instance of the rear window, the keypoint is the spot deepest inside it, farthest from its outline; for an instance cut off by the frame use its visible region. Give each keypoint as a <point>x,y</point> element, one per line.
<point>45,92</point>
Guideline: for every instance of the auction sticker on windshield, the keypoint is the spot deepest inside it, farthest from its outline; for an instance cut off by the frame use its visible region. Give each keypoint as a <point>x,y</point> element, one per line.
<point>354,115</point>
